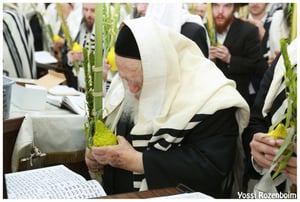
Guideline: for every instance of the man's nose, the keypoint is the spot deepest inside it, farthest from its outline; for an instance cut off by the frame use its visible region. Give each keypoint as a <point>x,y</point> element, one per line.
<point>133,87</point>
<point>89,13</point>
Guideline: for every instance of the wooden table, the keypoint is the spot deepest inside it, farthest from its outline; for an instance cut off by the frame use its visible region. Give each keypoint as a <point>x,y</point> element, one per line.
<point>150,193</point>
<point>10,132</point>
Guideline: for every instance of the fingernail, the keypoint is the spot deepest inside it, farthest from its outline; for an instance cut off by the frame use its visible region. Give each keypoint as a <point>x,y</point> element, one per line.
<point>271,141</point>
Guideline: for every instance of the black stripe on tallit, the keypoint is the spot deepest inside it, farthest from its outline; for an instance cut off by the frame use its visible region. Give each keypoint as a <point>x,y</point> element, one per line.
<point>29,54</point>
<point>277,103</point>
<point>25,44</point>
<point>181,133</point>
<point>89,43</point>
<point>200,117</point>
<point>162,142</point>
<point>171,132</point>
<point>14,52</point>
<point>176,133</point>
<point>138,177</point>
<point>7,34</point>
<point>141,137</point>
<point>145,137</point>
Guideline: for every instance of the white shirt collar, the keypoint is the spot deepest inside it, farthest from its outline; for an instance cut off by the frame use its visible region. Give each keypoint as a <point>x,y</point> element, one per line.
<point>222,36</point>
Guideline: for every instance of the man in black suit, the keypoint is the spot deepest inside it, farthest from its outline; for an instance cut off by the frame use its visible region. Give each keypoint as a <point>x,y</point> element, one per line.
<point>261,18</point>
<point>239,54</point>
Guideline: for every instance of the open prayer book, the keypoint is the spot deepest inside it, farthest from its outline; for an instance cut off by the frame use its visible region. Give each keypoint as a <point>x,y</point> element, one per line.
<point>54,182</point>
<point>67,97</point>
<point>44,57</point>
<point>63,90</point>
<point>74,103</point>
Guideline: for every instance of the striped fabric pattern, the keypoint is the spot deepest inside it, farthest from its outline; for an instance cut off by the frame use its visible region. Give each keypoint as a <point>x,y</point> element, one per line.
<point>89,41</point>
<point>277,87</point>
<point>18,46</point>
<point>85,37</point>
<point>160,141</point>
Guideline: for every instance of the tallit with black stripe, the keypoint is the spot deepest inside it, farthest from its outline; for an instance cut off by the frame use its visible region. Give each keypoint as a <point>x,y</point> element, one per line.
<point>278,86</point>
<point>180,88</point>
<point>85,37</point>
<point>18,46</point>
<point>274,102</point>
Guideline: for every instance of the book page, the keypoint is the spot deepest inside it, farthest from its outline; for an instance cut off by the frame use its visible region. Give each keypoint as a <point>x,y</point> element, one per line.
<point>31,86</point>
<point>55,182</point>
<point>44,57</point>
<point>63,90</point>
<point>192,195</point>
<point>54,100</point>
<point>76,104</point>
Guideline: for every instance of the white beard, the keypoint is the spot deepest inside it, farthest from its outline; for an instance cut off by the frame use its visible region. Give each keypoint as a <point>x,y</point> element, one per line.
<point>130,109</point>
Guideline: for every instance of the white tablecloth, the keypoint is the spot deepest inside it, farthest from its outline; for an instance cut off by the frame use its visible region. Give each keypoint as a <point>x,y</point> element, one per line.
<point>52,130</point>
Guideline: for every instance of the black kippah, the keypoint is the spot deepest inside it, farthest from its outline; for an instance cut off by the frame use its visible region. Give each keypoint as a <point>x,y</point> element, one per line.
<point>126,45</point>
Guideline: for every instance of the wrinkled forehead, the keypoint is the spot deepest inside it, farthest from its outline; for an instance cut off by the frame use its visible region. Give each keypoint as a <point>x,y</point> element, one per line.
<point>128,67</point>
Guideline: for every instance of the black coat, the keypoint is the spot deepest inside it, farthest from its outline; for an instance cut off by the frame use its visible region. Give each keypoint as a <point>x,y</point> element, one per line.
<point>257,122</point>
<point>202,162</point>
<point>197,33</point>
<point>243,43</point>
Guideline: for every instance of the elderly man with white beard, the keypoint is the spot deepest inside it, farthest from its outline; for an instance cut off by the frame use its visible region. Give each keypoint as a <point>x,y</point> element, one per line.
<point>177,118</point>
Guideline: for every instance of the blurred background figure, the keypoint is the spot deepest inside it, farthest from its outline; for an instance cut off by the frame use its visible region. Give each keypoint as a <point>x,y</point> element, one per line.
<point>259,16</point>
<point>180,20</point>
<point>33,12</point>
<point>279,28</point>
<point>18,44</point>
<point>85,38</point>
<point>139,9</point>
<point>237,52</point>
<point>200,9</point>
<point>73,16</point>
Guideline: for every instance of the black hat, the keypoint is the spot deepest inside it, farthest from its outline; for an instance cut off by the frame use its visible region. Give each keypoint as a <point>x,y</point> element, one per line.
<point>126,45</point>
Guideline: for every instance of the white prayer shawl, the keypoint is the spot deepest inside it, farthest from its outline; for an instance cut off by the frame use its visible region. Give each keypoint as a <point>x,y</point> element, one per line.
<point>18,45</point>
<point>173,15</point>
<point>73,20</point>
<point>85,39</point>
<point>179,83</point>
<point>266,184</point>
<point>278,29</point>
<point>278,85</point>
